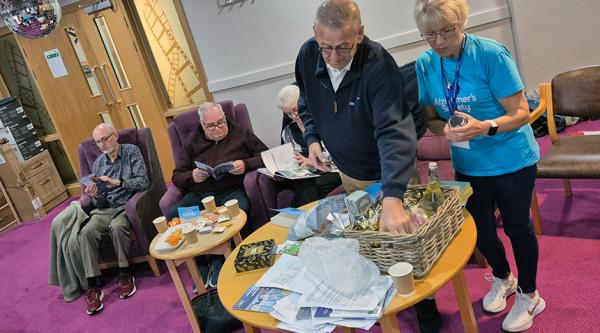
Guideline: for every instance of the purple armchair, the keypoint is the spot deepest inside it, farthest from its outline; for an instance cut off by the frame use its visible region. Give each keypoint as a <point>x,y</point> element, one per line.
<point>141,209</point>
<point>188,122</point>
<point>434,148</point>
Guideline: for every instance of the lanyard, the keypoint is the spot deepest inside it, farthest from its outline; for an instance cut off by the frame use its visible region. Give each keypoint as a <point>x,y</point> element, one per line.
<point>452,87</point>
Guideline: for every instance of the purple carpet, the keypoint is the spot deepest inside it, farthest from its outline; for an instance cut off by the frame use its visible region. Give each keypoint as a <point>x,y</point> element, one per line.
<point>569,252</point>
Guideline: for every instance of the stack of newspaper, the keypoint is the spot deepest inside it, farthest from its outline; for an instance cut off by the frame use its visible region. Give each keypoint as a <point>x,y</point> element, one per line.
<point>302,303</point>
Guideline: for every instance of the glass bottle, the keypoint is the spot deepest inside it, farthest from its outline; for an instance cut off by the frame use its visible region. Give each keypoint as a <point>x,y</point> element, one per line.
<point>433,197</point>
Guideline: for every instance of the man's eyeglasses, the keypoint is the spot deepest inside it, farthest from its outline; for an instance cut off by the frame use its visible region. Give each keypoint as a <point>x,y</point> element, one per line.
<point>445,34</point>
<point>213,126</point>
<point>341,51</point>
<point>104,139</point>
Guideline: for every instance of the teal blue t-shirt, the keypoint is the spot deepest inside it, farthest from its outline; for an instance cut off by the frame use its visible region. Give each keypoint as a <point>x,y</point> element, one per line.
<point>487,73</point>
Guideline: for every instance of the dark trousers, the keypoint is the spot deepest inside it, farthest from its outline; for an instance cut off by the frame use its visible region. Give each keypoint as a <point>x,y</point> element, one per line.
<point>310,189</point>
<point>195,199</point>
<point>511,193</point>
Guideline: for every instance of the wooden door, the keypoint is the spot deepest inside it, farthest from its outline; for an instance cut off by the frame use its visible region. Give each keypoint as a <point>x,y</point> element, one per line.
<point>107,80</point>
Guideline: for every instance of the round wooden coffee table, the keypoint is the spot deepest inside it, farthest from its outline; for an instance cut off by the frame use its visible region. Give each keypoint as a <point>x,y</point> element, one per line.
<point>211,243</point>
<point>449,267</point>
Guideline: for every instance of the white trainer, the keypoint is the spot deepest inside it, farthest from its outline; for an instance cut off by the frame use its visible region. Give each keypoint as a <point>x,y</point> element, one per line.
<point>523,311</point>
<point>495,300</point>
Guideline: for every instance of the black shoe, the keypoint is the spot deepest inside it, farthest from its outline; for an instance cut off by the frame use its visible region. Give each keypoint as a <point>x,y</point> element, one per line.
<point>430,320</point>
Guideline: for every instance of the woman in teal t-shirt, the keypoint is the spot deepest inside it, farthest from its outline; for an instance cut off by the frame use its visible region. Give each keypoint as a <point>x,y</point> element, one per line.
<point>473,95</point>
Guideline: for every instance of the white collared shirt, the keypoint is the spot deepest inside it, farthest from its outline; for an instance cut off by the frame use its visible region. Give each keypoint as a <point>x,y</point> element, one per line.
<point>337,75</point>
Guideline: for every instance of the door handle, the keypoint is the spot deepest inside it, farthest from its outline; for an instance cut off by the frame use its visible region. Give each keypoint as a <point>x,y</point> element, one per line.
<point>100,87</point>
<point>110,89</point>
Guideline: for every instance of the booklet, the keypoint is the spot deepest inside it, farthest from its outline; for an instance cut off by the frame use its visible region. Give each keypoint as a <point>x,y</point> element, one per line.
<point>260,299</point>
<point>217,172</point>
<point>87,180</point>
<point>280,161</point>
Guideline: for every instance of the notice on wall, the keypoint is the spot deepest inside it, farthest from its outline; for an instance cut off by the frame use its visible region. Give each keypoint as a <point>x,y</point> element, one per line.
<point>56,64</point>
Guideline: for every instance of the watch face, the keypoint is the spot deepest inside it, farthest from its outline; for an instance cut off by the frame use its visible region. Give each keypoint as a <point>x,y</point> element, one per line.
<point>457,120</point>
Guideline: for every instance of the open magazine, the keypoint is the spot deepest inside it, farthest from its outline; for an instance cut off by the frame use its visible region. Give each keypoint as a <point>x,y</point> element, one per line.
<point>280,161</point>
<point>218,171</point>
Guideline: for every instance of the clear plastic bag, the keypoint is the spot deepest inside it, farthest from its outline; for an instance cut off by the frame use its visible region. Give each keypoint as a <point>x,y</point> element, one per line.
<point>338,264</point>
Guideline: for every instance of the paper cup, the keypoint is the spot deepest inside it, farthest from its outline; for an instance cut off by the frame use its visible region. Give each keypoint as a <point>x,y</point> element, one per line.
<point>232,207</point>
<point>210,204</point>
<point>402,274</point>
<point>190,233</point>
<point>160,223</point>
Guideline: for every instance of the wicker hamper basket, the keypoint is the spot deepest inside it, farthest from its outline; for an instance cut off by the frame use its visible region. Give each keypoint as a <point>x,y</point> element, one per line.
<point>421,249</point>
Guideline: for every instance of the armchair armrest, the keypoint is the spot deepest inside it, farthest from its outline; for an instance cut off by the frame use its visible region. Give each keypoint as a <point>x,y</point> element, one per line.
<point>539,111</point>
<point>170,198</point>
<point>141,210</point>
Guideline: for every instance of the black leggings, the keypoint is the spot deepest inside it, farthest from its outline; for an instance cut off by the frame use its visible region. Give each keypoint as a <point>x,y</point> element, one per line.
<point>511,193</point>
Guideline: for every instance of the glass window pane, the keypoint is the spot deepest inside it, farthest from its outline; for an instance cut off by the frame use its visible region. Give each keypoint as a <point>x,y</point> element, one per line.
<point>182,79</point>
<point>111,51</point>
<point>136,116</point>
<point>106,118</point>
<point>85,66</point>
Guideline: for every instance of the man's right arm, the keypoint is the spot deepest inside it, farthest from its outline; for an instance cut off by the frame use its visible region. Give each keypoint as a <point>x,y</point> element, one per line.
<point>310,130</point>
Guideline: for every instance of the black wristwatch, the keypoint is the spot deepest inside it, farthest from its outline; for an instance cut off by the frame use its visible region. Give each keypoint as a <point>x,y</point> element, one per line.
<point>493,128</point>
<point>121,182</point>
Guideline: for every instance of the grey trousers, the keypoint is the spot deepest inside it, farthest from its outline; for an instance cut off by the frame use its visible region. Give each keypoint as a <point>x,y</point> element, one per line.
<point>105,220</point>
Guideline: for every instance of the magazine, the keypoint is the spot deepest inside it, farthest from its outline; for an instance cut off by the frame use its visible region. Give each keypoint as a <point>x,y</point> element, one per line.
<point>281,162</point>
<point>87,180</point>
<point>260,299</point>
<point>218,171</point>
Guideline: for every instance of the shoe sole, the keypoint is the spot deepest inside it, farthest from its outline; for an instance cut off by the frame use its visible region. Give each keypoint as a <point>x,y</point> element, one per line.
<point>132,292</point>
<point>537,311</point>
<point>508,294</point>
<point>99,308</point>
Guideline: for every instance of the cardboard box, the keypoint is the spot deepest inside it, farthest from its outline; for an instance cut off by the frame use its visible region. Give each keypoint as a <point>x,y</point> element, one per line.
<point>11,112</point>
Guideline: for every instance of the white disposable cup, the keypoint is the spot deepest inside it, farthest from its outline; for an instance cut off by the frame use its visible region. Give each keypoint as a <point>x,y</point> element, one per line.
<point>190,233</point>
<point>210,204</point>
<point>160,223</point>
<point>402,274</point>
<point>232,207</point>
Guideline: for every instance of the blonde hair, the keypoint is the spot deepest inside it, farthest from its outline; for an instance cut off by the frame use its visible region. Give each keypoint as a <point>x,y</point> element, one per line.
<point>434,14</point>
<point>288,95</point>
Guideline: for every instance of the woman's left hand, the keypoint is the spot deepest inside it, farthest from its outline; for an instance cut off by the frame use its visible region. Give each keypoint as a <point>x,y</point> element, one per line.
<point>471,130</point>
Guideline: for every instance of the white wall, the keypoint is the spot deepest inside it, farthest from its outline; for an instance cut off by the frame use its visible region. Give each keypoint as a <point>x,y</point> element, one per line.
<point>248,50</point>
<point>554,36</point>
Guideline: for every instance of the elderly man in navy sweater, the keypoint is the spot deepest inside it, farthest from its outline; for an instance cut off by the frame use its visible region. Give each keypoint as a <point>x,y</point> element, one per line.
<point>216,141</point>
<point>351,98</point>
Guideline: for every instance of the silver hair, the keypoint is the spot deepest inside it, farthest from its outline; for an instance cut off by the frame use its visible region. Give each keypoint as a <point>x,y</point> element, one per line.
<point>205,107</point>
<point>109,127</point>
<point>337,14</point>
<point>434,14</point>
<point>288,95</point>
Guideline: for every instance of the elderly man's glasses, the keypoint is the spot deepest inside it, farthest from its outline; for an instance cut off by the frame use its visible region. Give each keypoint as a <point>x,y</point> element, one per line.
<point>213,126</point>
<point>445,34</point>
<point>104,139</point>
<point>341,51</point>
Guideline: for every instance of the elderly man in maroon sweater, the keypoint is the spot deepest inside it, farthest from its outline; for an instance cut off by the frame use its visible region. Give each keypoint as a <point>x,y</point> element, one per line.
<point>217,141</point>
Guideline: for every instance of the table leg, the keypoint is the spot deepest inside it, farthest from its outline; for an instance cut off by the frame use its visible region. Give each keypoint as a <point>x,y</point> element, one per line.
<point>251,329</point>
<point>183,295</point>
<point>195,275</point>
<point>464,302</point>
<point>389,324</point>
<point>237,239</point>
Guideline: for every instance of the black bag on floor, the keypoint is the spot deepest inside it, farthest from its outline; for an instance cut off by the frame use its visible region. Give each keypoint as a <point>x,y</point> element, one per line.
<point>212,315</point>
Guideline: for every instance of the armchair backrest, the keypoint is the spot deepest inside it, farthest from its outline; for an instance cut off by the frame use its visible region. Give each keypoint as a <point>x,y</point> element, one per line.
<point>432,147</point>
<point>88,151</point>
<point>576,92</point>
<point>188,122</point>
